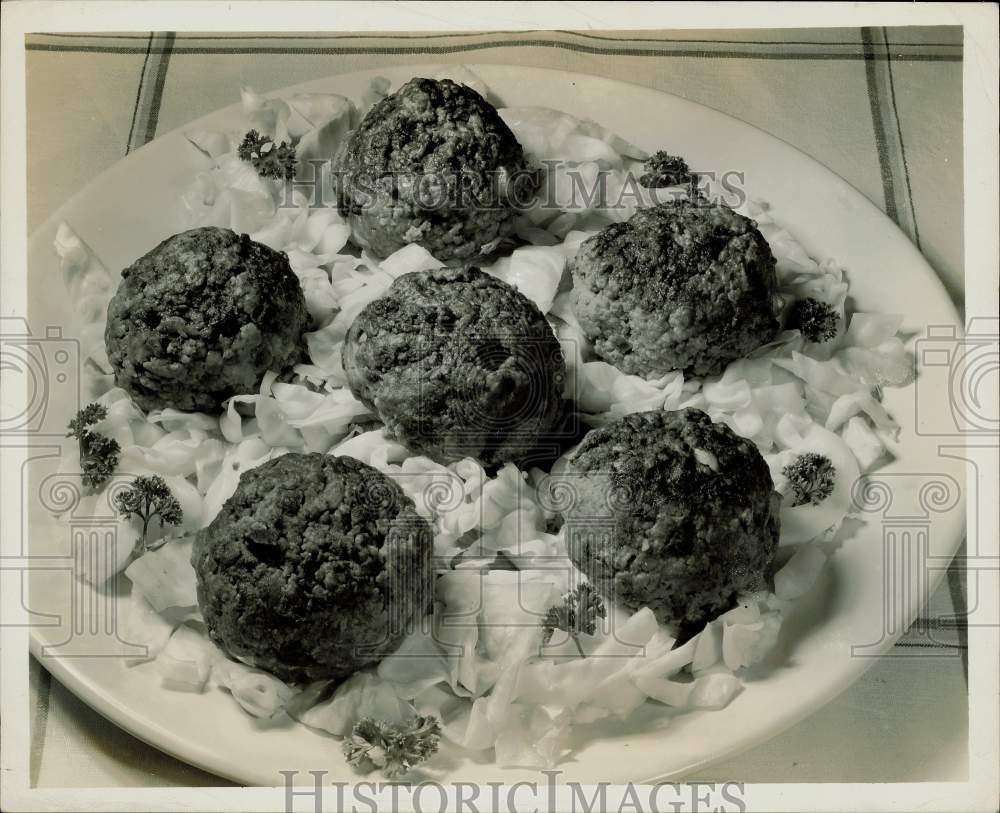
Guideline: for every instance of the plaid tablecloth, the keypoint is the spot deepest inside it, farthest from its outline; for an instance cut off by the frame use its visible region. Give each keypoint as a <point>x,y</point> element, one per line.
<point>880,107</point>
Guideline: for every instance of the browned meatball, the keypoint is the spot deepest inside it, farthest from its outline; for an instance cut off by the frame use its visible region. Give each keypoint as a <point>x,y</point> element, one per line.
<point>202,317</point>
<point>432,164</point>
<point>681,286</point>
<point>317,566</point>
<point>457,364</point>
<point>671,512</point>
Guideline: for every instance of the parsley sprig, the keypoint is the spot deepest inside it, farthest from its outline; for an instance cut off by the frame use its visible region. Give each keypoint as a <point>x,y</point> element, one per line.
<point>395,748</point>
<point>269,159</point>
<point>577,615</point>
<point>146,498</point>
<point>99,454</point>
<point>812,478</point>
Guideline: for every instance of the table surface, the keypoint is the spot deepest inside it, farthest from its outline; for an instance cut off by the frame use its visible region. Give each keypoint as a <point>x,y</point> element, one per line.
<point>880,107</point>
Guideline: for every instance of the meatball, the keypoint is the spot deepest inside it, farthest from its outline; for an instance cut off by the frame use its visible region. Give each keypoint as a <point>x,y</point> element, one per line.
<point>671,512</point>
<point>432,164</point>
<point>457,364</point>
<point>317,566</point>
<point>682,286</point>
<point>202,317</point>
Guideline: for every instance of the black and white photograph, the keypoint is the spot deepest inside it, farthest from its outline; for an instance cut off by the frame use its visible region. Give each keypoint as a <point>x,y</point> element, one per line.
<point>493,407</point>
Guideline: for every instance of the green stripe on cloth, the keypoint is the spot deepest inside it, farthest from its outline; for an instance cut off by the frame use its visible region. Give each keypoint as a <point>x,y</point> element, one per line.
<point>888,133</point>
<point>40,687</point>
<point>958,593</point>
<point>150,93</point>
<point>700,53</point>
<point>816,44</point>
<point>618,36</point>
<point>138,97</point>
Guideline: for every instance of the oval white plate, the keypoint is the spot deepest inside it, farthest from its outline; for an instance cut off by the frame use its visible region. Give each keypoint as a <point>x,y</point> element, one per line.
<point>854,615</point>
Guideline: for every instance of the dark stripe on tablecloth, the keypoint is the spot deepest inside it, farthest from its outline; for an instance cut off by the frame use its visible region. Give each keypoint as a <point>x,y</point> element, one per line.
<point>161,78</point>
<point>454,35</point>
<point>957,591</point>
<point>888,131</point>
<point>929,645</point>
<point>150,93</point>
<point>480,46</point>
<point>39,720</point>
<point>138,96</point>
<point>874,101</point>
<point>899,137</point>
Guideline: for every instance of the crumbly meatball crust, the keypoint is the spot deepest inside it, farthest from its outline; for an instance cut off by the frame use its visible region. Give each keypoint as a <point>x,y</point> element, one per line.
<point>457,363</point>
<point>681,286</point>
<point>202,317</point>
<point>432,164</point>
<point>673,512</point>
<point>317,566</point>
